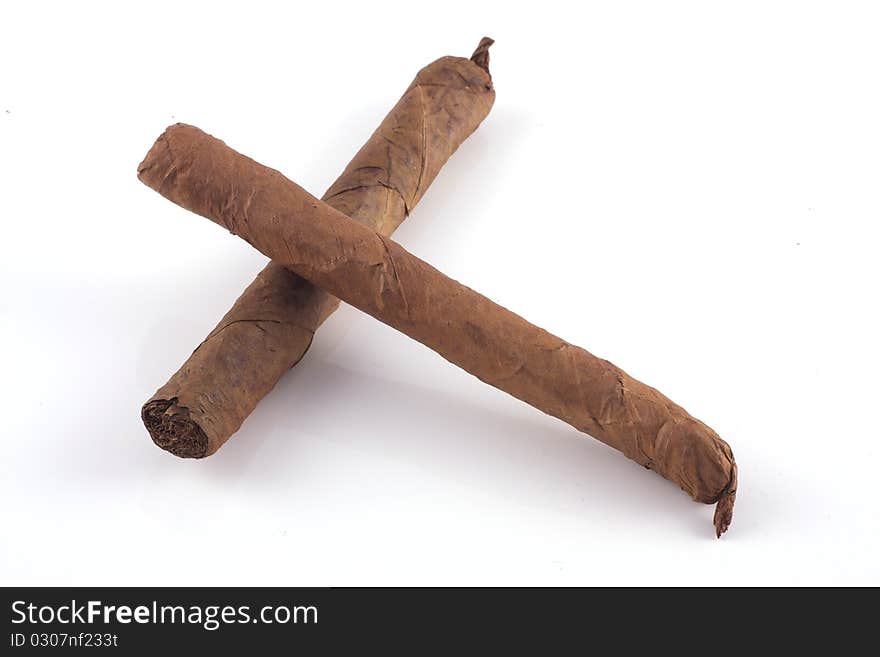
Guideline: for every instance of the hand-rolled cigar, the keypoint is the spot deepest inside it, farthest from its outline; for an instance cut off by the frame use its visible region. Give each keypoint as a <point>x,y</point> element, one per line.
<point>270,327</point>
<point>379,277</point>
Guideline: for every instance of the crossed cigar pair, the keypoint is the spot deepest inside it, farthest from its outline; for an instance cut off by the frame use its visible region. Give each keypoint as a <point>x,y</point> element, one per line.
<point>340,247</point>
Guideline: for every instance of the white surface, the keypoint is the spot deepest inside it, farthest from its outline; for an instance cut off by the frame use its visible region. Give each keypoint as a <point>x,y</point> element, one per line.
<point>690,191</point>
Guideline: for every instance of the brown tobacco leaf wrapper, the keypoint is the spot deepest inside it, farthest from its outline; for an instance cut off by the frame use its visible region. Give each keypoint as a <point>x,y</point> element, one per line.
<point>378,276</point>
<point>270,327</point>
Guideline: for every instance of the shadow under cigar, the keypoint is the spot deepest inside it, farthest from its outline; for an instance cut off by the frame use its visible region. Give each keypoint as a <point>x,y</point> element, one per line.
<point>502,447</point>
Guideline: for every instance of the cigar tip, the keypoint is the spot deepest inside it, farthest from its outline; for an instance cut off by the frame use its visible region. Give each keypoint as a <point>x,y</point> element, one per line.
<point>481,54</point>
<point>160,155</point>
<point>724,507</point>
<point>171,428</point>
<point>158,151</point>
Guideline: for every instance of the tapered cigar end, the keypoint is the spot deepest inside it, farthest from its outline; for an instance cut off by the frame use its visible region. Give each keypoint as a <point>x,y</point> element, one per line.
<point>724,508</point>
<point>481,54</point>
<point>172,429</point>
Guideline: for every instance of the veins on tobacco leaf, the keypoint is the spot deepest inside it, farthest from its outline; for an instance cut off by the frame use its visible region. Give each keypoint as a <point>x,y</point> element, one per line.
<point>467,83</point>
<point>255,322</point>
<point>389,189</point>
<point>353,188</point>
<point>424,152</point>
<point>393,143</point>
<point>580,386</point>
<point>396,276</point>
<point>394,189</point>
<point>390,162</point>
<point>246,321</point>
<point>634,421</point>
<point>331,263</point>
<point>169,178</point>
<point>247,204</point>
<point>519,370</point>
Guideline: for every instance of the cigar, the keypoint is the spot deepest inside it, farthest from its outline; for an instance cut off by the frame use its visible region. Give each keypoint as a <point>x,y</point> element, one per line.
<point>270,327</point>
<point>379,277</point>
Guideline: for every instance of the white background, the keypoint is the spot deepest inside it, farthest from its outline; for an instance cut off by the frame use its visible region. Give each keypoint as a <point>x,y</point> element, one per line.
<point>687,189</point>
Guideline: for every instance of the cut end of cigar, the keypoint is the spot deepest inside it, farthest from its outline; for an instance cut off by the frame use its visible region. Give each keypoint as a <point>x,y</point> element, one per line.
<point>724,508</point>
<point>157,168</point>
<point>481,54</point>
<point>172,429</point>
